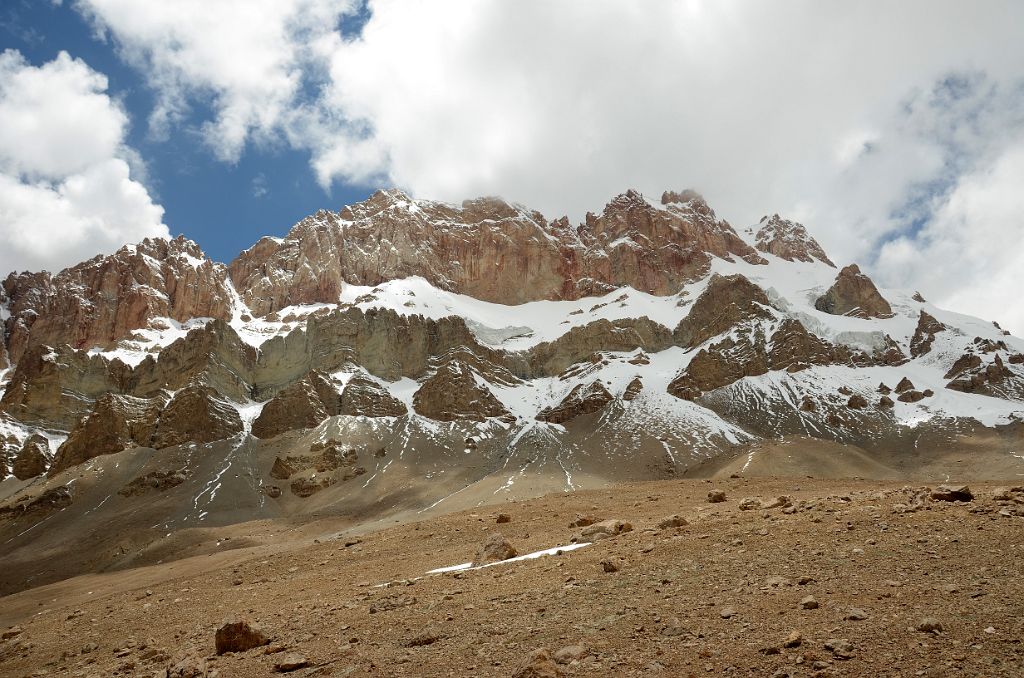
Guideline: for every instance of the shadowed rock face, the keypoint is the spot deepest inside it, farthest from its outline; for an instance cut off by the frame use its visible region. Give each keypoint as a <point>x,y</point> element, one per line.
<point>583,399</point>
<point>297,407</point>
<point>106,298</point>
<point>854,294</point>
<point>489,249</point>
<point>790,347</point>
<point>789,240</point>
<point>453,392</point>
<point>32,459</point>
<point>196,414</point>
<point>724,303</point>
<point>924,335</point>
<point>115,423</point>
<point>365,397</point>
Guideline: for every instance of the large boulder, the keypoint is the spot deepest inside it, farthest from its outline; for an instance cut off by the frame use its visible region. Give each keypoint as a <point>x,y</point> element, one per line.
<point>453,392</point>
<point>496,548</point>
<point>583,399</point>
<point>196,415</point>
<point>853,294</point>
<point>239,635</point>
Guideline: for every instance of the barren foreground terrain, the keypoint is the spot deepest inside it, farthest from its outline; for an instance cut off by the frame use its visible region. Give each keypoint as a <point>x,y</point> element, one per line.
<point>838,577</point>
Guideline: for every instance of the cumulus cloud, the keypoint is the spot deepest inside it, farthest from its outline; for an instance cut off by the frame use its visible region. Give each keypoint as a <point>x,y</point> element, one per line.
<point>248,56</point>
<point>862,119</point>
<point>66,191</point>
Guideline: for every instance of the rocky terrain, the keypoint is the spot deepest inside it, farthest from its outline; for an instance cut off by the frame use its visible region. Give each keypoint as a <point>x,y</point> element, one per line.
<point>401,359</point>
<point>724,576</point>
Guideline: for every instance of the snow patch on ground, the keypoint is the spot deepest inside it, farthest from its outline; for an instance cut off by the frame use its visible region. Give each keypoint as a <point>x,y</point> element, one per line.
<point>529,556</point>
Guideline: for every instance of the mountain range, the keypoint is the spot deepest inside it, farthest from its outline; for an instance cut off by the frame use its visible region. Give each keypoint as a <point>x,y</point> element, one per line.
<point>404,356</point>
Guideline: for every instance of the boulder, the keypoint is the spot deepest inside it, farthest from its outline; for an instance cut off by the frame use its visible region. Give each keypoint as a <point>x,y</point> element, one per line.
<point>853,294</point>
<point>605,529</point>
<point>952,493</point>
<point>886,403</point>
<point>912,396</point>
<point>672,521</point>
<point>495,549</point>
<point>240,635</point>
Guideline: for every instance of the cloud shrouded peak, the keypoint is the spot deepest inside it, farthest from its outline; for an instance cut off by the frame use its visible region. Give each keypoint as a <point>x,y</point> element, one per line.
<point>66,192</point>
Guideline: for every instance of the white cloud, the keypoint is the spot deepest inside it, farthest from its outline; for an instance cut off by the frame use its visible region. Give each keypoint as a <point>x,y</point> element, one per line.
<point>970,255</point>
<point>247,55</point>
<point>843,114</point>
<point>65,188</point>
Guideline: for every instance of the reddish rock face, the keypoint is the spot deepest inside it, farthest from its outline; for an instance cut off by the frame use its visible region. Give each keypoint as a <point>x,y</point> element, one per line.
<point>489,249</point>
<point>115,423</point>
<point>106,298</point>
<point>789,240</point>
<point>854,294</point>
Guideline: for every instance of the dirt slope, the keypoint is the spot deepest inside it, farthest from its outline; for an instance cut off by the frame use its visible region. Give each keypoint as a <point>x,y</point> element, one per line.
<point>719,596</point>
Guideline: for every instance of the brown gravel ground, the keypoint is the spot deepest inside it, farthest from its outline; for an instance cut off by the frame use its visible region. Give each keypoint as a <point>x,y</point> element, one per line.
<point>719,596</point>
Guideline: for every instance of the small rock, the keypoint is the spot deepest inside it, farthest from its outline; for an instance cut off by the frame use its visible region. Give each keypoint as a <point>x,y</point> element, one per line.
<point>672,521</point>
<point>293,661</point>
<point>749,504</point>
<point>538,664</point>
<point>716,496</point>
<point>240,635</point>
<point>12,632</point>
<point>929,625</point>
<point>605,529</point>
<point>570,653</point>
<point>856,614</point>
<point>793,639</point>
<point>609,566</point>
<point>503,518</point>
<point>187,665</point>
<point>809,603</point>
<point>427,637</point>
<point>583,520</point>
<point>727,613</point>
<point>841,648</point>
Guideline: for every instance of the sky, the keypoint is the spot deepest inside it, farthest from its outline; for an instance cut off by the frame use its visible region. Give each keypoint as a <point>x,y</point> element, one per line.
<point>893,131</point>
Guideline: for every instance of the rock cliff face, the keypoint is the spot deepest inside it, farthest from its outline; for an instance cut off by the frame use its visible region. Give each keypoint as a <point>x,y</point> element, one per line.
<point>854,294</point>
<point>789,240</point>
<point>542,344</point>
<point>106,298</point>
<point>455,392</point>
<point>488,249</point>
<point>583,399</point>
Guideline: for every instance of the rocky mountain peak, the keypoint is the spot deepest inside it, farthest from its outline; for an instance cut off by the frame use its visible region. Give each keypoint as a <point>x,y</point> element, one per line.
<point>101,300</point>
<point>788,240</point>
<point>854,294</point>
